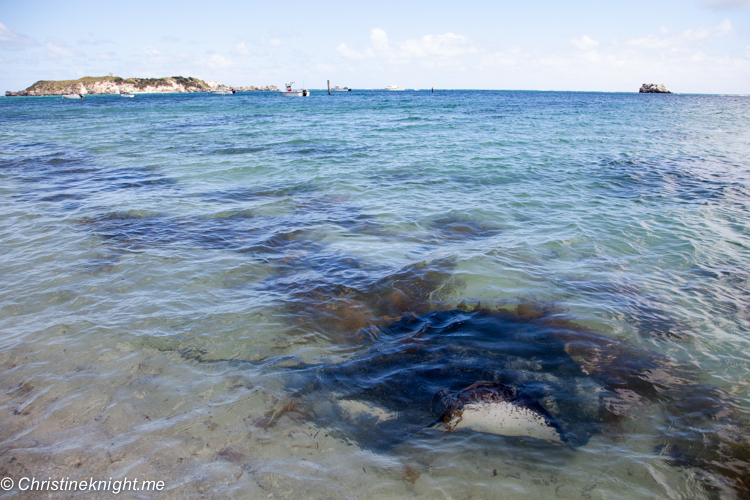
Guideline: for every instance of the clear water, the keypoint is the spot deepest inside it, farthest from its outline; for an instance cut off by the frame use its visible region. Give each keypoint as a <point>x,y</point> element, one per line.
<point>222,291</point>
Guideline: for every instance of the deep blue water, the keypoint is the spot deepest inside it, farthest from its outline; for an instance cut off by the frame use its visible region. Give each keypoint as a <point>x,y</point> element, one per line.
<point>194,286</point>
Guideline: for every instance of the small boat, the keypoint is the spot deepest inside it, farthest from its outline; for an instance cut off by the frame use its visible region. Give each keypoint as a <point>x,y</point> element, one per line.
<point>394,88</point>
<point>72,96</point>
<point>339,89</point>
<point>288,92</point>
<point>222,91</point>
<point>127,94</point>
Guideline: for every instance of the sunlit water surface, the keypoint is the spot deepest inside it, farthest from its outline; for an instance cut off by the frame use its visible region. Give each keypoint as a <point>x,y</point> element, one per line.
<point>249,296</point>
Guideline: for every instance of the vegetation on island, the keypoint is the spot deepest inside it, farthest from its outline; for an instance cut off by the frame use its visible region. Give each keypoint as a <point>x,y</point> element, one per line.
<point>52,86</point>
<point>116,85</point>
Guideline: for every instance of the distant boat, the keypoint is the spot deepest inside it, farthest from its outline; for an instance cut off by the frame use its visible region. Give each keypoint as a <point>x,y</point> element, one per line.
<point>394,88</point>
<point>416,90</point>
<point>288,92</point>
<point>72,96</point>
<point>127,94</point>
<point>222,91</point>
<point>339,89</point>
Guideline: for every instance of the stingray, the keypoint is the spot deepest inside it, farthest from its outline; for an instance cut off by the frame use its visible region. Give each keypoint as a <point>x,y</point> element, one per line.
<point>529,374</point>
<point>454,370</point>
<point>496,409</point>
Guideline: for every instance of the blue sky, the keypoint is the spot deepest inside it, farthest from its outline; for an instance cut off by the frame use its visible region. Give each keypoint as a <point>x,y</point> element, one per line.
<point>689,45</point>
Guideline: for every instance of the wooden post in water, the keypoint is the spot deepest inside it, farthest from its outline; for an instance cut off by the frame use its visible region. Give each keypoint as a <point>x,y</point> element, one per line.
<point>329,87</point>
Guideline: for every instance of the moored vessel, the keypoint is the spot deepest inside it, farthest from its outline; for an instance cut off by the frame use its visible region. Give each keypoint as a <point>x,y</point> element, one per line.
<point>394,88</point>
<point>340,89</point>
<point>72,96</point>
<point>289,92</point>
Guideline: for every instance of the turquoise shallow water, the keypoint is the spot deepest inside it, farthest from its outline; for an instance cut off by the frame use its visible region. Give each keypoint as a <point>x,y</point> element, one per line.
<point>251,295</point>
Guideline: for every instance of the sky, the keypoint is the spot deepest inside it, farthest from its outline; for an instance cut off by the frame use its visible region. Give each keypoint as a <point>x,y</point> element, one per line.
<point>691,46</point>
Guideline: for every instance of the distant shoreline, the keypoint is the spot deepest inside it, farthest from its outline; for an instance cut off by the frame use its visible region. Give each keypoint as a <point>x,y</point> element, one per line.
<point>140,93</point>
<point>427,91</point>
<point>109,85</point>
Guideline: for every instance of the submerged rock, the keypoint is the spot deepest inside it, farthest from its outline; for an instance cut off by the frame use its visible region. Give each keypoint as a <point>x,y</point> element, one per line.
<point>652,88</point>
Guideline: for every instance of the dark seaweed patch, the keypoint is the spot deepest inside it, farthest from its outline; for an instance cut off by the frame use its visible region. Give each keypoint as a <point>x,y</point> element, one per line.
<point>460,227</point>
<point>657,179</point>
<point>64,197</point>
<point>336,210</point>
<point>338,297</point>
<point>239,151</point>
<point>728,284</point>
<point>136,230</point>
<point>315,148</point>
<point>251,193</point>
<point>646,313</point>
<point>72,175</point>
<point>130,179</point>
<point>132,230</point>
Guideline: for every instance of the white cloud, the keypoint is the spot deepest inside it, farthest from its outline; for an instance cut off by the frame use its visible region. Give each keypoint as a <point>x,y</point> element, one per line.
<point>102,41</point>
<point>219,62</point>
<point>725,28</point>
<point>151,51</point>
<point>727,4</point>
<point>241,49</point>
<point>57,48</point>
<point>270,42</point>
<point>13,39</point>
<point>428,49</point>
<point>686,39</point>
<point>685,61</point>
<point>585,43</point>
<point>353,54</point>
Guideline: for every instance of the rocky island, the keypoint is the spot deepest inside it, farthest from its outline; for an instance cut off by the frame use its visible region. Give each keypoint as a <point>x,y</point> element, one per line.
<point>118,85</point>
<point>652,88</point>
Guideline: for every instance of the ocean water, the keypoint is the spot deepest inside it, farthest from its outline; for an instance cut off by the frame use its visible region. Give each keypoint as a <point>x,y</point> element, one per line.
<point>251,296</point>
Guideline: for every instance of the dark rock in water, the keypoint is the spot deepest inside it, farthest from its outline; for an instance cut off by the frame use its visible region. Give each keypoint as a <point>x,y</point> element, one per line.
<point>652,88</point>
